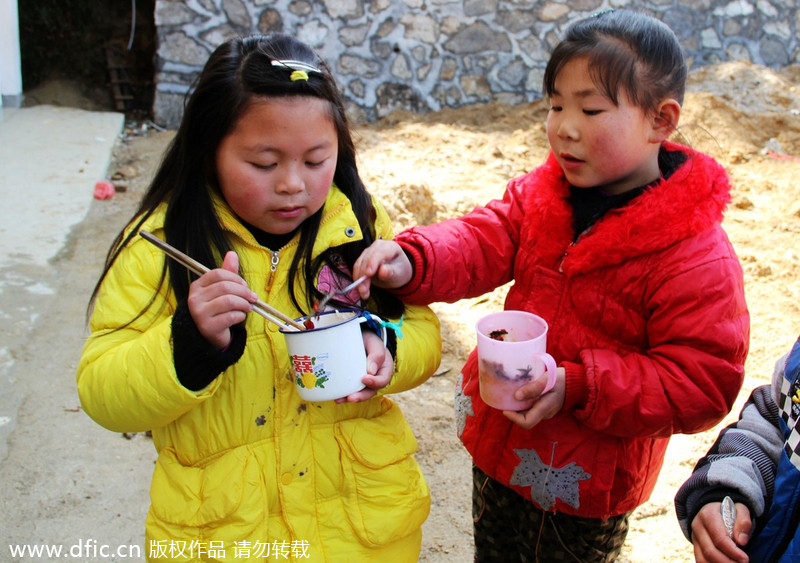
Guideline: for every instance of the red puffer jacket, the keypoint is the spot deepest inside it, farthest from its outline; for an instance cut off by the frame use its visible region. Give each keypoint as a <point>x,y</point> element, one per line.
<point>647,315</point>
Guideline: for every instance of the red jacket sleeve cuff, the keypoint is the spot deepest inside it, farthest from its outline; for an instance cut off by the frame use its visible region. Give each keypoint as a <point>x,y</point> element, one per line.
<point>418,268</point>
<point>577,391</point>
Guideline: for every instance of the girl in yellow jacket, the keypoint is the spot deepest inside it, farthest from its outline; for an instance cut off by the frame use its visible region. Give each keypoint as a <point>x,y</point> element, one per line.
<point>260,179</point>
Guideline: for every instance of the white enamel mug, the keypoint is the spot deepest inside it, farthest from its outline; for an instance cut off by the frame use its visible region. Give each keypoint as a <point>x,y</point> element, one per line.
<point>329,360</point>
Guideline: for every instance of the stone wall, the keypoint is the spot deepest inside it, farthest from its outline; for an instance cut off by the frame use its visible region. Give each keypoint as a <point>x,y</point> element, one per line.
<point>425,55</point>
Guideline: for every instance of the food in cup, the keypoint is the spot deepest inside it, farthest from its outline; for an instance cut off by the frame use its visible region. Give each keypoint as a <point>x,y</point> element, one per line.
<point>499,334</point>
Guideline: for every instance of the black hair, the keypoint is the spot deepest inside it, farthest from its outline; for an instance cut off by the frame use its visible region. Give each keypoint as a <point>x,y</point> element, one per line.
<point>628,52</point>
<point>237,72</point>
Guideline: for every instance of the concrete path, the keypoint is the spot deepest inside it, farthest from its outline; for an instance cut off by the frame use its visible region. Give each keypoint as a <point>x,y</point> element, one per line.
<point>50,159</point>
<point>65,483</point>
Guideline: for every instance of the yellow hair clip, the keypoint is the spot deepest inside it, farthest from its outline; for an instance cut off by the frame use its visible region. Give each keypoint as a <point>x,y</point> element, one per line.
<point>298,75</point>
<point>300,70</point>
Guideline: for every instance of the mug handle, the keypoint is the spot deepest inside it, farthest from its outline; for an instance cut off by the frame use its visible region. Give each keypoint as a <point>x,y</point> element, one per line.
<point>550,365</point>
<point>363,319</point>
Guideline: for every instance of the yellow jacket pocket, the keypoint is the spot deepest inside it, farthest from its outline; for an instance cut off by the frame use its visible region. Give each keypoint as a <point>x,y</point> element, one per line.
<point>227,490</point>
<point>385,494</point>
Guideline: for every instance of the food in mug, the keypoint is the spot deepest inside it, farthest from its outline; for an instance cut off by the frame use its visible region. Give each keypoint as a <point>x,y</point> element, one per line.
<point>499,334</point>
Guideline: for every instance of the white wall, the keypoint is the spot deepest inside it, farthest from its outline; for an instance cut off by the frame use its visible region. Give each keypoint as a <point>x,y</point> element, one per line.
<point>10,61</point>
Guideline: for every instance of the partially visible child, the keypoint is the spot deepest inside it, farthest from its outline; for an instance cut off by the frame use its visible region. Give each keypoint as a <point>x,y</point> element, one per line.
<point>616,241</point>
<point>262,172</point>
<point>756,462</point>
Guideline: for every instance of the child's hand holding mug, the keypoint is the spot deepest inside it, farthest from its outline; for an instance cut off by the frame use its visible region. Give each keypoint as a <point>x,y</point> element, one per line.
<point>380,368</point>
<point>546,404</point>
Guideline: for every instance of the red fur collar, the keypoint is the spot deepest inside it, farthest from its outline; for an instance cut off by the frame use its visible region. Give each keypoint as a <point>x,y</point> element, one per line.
<point>688,202</point>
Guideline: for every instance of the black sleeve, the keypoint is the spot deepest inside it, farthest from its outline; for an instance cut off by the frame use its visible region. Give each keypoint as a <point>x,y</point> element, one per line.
<point>198,363</point>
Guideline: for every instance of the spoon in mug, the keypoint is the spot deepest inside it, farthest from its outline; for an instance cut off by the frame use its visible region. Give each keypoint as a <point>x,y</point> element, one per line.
<point>319,306</point>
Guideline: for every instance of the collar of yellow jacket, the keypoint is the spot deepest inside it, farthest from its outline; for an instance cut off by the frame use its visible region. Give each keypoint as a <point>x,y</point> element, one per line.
<point>338,226</point>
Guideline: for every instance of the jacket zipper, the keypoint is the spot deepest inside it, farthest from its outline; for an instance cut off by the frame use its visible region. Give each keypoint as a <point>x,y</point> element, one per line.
<point>275,258</point>
<point>564,257</point>
<point>569,246</point>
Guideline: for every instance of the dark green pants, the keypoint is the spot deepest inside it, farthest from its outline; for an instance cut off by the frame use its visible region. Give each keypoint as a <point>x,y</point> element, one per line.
<point>510,528</point>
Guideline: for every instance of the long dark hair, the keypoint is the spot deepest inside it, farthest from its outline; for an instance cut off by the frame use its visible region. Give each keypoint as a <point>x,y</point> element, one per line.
<point>236,72</point>
<point>628,52</point>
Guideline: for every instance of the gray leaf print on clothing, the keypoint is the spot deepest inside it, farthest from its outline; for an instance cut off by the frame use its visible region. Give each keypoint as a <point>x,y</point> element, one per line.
<point>462,405</point>
<point>548,483</point>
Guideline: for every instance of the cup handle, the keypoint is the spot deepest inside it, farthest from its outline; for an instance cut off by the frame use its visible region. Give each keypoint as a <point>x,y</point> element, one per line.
<point>550,364</point>
<point>363,319</point>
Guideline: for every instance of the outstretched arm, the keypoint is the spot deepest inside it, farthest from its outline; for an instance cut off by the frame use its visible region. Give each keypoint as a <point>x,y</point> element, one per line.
<point>385,264</point>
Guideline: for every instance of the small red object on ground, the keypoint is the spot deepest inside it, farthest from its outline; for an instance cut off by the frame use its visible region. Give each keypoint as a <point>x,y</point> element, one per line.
<point>104,190</point>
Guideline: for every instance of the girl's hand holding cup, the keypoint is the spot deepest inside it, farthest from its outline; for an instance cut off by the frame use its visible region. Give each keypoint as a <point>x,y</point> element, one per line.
<point>380,368</point>
<point>546,405</point>
<point>218,300</point>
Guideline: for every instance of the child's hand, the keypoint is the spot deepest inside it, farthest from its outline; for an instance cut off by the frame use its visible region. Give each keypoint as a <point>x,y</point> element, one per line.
<point>546,406</point>
<point>380,367</point>
<point>710,538</point>
<point>385,264</point>
<point>218,300</point>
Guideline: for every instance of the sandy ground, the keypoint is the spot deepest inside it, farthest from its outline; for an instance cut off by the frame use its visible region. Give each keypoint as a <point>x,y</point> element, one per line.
<point>427,168</point>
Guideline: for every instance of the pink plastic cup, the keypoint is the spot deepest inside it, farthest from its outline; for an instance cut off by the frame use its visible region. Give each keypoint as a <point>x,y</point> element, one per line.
<point>511,353</point>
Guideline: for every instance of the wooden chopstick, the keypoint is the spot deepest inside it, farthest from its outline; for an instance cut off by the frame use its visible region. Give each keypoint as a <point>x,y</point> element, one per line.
<point>264,309</point>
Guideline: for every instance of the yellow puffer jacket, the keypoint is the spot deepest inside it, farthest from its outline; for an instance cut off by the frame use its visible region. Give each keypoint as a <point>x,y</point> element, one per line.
<point>246,470</point>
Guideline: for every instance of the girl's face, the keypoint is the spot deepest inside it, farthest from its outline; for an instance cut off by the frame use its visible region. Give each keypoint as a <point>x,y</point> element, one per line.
<point>596,142</point>
<point>276,167</point>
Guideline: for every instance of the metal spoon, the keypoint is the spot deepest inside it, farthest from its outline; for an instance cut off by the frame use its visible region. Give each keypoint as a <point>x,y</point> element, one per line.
<point>320,306</point>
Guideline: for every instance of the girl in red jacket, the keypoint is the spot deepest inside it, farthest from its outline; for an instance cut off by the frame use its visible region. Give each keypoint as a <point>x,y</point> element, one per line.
<point>616,242</point>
